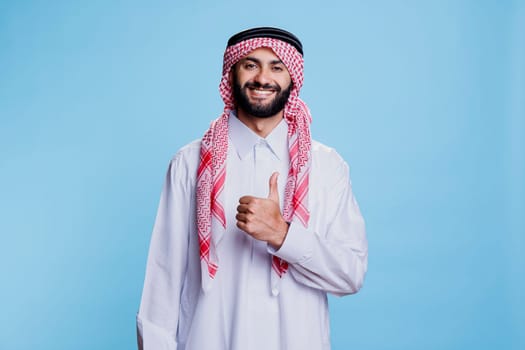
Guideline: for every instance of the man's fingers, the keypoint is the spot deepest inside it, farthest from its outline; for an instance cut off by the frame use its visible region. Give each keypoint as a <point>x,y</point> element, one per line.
<point>242,208</point>
<point>240,217</point>
<point>246,199</point>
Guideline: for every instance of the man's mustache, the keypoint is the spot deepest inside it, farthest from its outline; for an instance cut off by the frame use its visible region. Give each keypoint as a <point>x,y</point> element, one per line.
<point>256,85</point>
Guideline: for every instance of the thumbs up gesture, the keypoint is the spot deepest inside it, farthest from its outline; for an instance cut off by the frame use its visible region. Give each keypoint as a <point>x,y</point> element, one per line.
<point>261,217</point>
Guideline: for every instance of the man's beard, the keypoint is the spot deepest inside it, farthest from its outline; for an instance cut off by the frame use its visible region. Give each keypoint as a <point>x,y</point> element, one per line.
<point>260,110</point>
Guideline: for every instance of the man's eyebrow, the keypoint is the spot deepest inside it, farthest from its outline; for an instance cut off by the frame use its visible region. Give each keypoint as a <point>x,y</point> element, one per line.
<point>258,61</point>
<point>252,59</point>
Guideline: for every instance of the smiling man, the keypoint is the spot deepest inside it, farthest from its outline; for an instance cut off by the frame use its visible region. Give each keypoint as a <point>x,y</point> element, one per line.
<point>257,222</point>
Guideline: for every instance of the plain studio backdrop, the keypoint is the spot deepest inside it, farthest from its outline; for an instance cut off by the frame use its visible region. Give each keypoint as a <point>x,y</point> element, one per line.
<point>424,99</point>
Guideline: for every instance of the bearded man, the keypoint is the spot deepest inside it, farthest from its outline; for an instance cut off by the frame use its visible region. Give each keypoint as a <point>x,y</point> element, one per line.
<point>257,222</point>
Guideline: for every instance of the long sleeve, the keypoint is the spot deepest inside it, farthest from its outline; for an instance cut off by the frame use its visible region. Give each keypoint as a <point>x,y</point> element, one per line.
<point>332,254</point>
<point>157,319</point>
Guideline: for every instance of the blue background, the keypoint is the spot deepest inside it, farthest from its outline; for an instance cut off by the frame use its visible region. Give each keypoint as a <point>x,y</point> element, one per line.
<point>425,100</point>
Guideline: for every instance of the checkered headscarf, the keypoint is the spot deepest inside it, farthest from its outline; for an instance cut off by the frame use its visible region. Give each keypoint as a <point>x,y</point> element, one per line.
<point>211,173</point>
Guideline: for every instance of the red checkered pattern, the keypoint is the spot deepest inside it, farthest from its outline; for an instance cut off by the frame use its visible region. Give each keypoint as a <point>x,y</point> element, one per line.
<point>211,173</point>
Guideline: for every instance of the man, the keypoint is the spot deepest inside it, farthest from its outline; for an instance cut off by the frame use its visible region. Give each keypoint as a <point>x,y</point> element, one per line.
<point>257,222</point>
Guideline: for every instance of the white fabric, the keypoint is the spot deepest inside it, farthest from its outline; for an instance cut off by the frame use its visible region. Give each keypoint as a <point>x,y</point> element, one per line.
<point>240,312</point>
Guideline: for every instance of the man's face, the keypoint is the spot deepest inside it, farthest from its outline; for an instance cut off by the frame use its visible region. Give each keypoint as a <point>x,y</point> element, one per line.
<point>261,83</point>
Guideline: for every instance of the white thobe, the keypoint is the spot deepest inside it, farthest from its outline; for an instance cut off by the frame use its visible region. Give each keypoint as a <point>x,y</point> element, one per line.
<point>241,311</point>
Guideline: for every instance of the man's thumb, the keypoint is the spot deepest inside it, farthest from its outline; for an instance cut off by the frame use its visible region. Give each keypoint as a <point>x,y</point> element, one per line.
<point>274,192</point>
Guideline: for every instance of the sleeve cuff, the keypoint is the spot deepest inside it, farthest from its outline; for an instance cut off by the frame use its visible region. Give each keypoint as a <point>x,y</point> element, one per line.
<point>297,246</point>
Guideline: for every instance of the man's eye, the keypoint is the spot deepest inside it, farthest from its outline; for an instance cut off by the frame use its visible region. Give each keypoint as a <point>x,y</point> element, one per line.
<point>249,66</point>
<point>277,69</point>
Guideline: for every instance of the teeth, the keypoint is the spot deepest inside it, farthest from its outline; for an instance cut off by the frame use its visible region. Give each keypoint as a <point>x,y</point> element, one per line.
<point>263,92</point>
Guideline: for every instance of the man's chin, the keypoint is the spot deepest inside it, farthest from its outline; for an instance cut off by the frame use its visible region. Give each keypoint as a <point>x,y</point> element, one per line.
<point>260,105</point>
<point>261,113</point>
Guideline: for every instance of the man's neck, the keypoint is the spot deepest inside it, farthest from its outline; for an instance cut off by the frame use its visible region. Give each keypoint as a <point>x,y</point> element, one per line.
<point>261,126</point>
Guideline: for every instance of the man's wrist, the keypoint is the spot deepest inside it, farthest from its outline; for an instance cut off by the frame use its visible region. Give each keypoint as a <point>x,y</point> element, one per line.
<point>280,236</point>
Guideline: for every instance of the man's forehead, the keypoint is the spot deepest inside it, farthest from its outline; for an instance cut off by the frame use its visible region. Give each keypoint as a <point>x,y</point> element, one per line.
<point>262,53</point>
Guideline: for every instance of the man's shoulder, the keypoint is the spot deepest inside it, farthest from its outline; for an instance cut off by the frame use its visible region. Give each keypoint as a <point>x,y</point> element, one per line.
<point>328,168</point>
<point>188,155</point>
<point>325,155</point>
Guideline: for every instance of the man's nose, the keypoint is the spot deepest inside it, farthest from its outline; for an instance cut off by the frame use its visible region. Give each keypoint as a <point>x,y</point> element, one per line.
<point>263,77</point>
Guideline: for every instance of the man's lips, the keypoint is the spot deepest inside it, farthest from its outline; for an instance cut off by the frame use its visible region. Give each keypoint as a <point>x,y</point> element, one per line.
<point>261,93</point>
